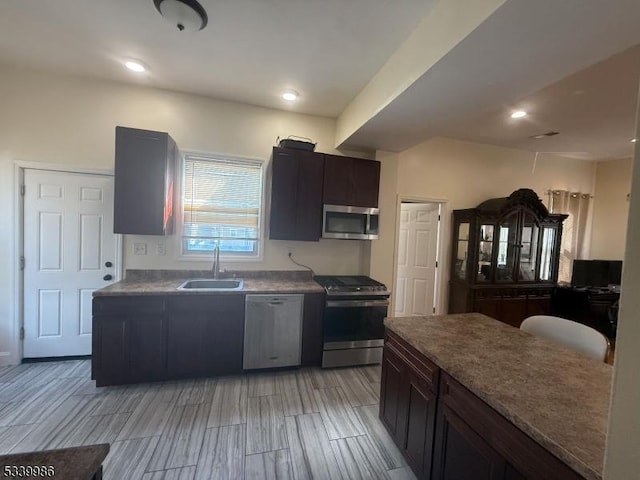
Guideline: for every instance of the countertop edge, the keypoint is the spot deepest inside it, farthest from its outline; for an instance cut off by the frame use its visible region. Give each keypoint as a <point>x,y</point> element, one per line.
<point>169,287</point>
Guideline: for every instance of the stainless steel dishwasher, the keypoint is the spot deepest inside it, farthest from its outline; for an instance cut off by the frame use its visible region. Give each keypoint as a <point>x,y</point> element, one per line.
<point>272,331</point>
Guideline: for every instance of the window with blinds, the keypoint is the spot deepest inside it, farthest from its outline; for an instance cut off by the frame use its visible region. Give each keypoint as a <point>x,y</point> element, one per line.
<point>222,205</point>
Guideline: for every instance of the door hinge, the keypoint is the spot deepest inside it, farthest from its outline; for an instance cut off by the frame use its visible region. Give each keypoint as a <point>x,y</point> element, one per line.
<point>434,309</point>
<point>438,217</point>
<point>436,264</point>
<point>21,333</point>
<point>23,189</point>
<point>22,262</point>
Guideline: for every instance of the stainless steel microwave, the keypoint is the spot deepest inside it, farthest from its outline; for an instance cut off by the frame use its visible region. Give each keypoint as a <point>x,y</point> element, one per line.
<point>353,223</point>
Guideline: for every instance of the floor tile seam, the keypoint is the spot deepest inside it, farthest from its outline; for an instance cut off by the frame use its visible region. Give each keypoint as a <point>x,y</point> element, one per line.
<point>176,434</point>
<point>20,424</point>
<point>114,446</point>
<point>266,451</point>
<point>170,468</point>
<point>288,449</point>
<point>378,446</point>
<point>380,459</point>
<point>116,434</point>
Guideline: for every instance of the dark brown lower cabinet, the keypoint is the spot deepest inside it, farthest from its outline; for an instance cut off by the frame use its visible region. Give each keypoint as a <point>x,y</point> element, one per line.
<point>147,348</point>
<point>392,400</point>
<point>445,432</point>
<point>205,335</point>
<point>408,403</point>
<point>462,453</point>
<point>312,329</point>
<point>129,340</point>
<point>153,338</point>
<point>421,413</point>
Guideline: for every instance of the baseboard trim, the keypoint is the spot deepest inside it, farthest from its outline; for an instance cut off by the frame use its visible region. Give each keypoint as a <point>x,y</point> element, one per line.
<point>56,359</point>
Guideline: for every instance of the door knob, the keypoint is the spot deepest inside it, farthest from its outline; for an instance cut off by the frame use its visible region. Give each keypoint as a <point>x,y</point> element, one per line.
<point>108,277</point>
<point>108,264</point>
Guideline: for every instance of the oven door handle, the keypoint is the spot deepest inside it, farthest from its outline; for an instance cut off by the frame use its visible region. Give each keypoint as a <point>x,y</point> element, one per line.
<point>357,303</point>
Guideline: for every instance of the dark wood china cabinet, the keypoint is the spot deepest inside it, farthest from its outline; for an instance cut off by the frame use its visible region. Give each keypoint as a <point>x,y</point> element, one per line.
<point>505,256</point>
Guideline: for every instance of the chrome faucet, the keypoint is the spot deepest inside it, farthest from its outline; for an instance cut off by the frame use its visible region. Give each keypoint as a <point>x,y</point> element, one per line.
<point>215,268</point>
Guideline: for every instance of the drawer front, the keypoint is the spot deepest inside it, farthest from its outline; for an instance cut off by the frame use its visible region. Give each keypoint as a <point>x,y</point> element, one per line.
<point>205,303</point>
<point>126,305</point>
<point>424,369</point>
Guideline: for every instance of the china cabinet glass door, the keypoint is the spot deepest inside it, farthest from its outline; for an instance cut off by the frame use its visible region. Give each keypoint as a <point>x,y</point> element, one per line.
<point>485,253</point>
<point>462,251</point>
<point>507,249</point>
<point>528,248</point>
<point>546,253</point>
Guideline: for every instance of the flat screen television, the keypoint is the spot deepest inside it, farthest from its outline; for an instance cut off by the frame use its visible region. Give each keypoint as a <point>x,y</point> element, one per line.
<point>596,273</point>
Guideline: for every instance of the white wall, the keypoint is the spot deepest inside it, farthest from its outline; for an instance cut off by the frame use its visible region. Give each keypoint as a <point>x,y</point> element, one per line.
<point>383,248</point>
<point>465,174</point>
<point>70,121</point>
<point>622,461</point>
<point>610,209</point>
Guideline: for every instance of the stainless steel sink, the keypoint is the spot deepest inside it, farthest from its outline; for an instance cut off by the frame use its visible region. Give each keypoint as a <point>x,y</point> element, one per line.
<point>212,284</point>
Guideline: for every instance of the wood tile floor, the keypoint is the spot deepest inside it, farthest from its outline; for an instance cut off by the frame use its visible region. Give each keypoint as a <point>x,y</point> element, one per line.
<point>299,424</point>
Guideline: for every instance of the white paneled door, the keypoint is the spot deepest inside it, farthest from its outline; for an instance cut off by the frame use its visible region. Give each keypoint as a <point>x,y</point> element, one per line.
<point>417,255</point>
<point>70,251</point>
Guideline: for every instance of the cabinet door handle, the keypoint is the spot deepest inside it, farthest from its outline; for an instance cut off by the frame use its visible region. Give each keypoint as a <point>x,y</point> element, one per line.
<point>108,264</point>
<point>108,277</point>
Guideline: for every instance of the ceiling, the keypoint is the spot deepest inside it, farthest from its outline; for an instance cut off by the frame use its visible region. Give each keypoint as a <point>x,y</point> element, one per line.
<point>526,55</point>
<point>250,51</point>
<point>593,111</point>
<point>574,65</point>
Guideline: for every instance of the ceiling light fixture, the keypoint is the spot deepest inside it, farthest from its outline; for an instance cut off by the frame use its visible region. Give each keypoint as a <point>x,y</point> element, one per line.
<point>551,133</point>
<point>135,66</point>
<point>290,95</point>
<point>185,15</point>
<point>519,114</point>
<point>634,140</point>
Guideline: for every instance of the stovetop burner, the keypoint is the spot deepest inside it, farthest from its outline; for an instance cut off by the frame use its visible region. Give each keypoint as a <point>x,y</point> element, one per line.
<point>351,285</point>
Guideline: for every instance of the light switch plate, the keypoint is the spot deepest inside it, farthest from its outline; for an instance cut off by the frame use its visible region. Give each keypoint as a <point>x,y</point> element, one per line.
<point>139,248</point>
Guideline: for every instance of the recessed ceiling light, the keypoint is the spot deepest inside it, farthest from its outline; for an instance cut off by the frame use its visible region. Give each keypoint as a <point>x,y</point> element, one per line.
<point>290,95</point>
<point>634,140</point>
<point>135,66</point>
<point>519,114</point>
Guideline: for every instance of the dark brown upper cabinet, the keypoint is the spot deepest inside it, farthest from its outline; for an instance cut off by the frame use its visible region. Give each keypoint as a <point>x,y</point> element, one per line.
<point>296,195</point>
<point>145,166</point>
<point>351,181</point>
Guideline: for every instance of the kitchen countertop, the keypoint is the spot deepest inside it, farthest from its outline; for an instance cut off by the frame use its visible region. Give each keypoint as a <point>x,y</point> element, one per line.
<point>166,282</point>
<point>76,463</point>
<point>555,395</point>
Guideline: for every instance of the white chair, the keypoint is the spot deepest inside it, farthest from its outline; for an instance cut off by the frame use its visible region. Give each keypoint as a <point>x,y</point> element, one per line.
<point>574,335</point>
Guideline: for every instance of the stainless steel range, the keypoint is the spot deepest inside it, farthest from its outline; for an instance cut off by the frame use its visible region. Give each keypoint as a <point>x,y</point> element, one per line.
<point>353,330</point>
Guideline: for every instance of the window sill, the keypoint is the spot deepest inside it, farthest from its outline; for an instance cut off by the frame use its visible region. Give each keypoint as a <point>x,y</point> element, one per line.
<point>223,258</point>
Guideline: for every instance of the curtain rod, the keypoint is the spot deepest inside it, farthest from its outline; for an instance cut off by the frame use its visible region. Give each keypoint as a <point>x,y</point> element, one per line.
<point>573,194</point>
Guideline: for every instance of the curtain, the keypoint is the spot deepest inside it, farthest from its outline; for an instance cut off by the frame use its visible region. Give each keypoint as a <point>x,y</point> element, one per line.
<point>576,205</point>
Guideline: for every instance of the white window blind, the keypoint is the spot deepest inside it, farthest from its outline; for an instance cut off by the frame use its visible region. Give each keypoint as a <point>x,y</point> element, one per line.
<point>221,205</point>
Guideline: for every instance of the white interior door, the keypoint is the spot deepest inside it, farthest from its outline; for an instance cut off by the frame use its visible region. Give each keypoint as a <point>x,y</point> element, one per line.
<point>69,247</point>
<point>417,256</point>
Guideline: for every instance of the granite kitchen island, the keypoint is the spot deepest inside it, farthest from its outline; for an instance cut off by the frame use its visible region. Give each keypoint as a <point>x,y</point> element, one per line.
<point>466,396</point>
